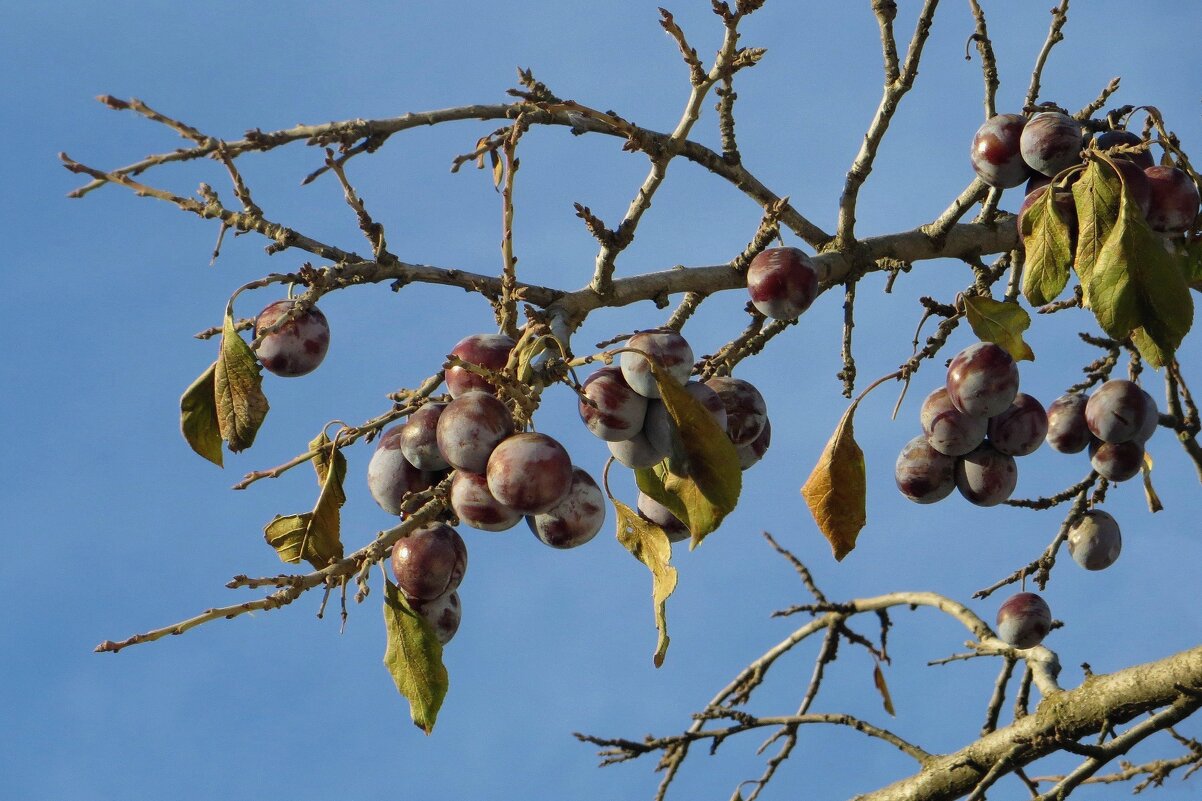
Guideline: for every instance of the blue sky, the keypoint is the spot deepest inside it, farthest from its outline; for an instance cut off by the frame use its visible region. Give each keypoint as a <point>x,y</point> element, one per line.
<point>115,527</point>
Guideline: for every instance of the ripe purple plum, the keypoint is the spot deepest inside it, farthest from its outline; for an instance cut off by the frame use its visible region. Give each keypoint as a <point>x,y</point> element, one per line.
<point>947,429</point>
<point>1063,203</point>
<point>1109,139</point>
<point>470,427</point>
<point>1151,419</point>
<point>430,562</point>
<point>782,282</point>
<point>923,474</point>
<point>664,345</point>
<point>659,428</point>
<point>419,440</point>
<point>637,452</point>
<point>1175,199</point>
<point>1116,461</point>
<point>576,519</point>
<point>746,412</point>
<point>1023,620</point>
<point>1051,142</point>
<point>1137,184</point>
<point>995,152</point>
<point>475,506</point>
<point>390,476</point>
<point>619,411</point>
<point>487,350</point>
<point>529,473</point>
<point>1117,411</point>
<point>1021,428</point>
<point>298,346</point>
<point>1067,431</point>
<point>443,613</point>
<point>753,451</point>
<point>1094,540</point>
<point>982,380</point>
<point>986,477</point>
<point>655,512</point>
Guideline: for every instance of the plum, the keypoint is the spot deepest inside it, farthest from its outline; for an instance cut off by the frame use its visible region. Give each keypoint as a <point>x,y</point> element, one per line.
<point>949,430</point>
<point>475,506</point>
<point>470,427</point>
<point>1116,461</point>
<point>982,380</point>
<point>576,519</point>
<point>1021,428</point>
<point>782,283</point>
<point>995,152</point>
<point>419,440</point>
<point>618,412</point>
<point>430,562</point>
<point>1094,540</point>
<point>529,473</point>
<point>390,476</point>
<point>1117,138</point>
<point>637,452</point>
<point>487,350</point>
<point>1117,411</point>
<point>1051,142</point>
<point>1175,199</point>
<point>746,412</point>
<point>923,474</point>
<point>1067,431</point>
<point>986,477</point>
<point>753,451</point>
<point>659,427</point>
<point>655,512</point>
<point>443,613</point>
<point>299,345</point>
<point>667,347</point>
<point>1023,620</point>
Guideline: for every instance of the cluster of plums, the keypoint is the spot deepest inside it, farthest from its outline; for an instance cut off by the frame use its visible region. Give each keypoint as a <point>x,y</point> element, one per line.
<point>1009,150</point>
<point>621,405</point>
<point>973,428</point>
<point>1114,422</point>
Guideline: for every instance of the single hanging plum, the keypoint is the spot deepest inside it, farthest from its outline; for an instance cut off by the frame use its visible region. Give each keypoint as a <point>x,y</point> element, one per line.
<point>298,346</point>
<point>782,283</point>
<point>1094,540</point>
<point>1023,620</point>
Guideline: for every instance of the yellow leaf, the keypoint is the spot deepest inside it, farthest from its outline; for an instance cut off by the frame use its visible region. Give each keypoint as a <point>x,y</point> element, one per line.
<point>649,544</point>
<point>1000,323</point>
<point>837,489</point>
<point>238,388</point>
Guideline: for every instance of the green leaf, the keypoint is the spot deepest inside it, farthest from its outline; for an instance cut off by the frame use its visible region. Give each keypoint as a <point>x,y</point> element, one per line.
<point>837,489</point>
<point>198,417</point>
<point>650,545</point>
<point>313,536</point>
<point>1048,244</point>
<point>1138,288</point>
<point>238,387</point>
<point>702,479</point>
<point>1191,254</point>
<point>414,658</point>
<point>1001,323</point>
<point>1097,195</point>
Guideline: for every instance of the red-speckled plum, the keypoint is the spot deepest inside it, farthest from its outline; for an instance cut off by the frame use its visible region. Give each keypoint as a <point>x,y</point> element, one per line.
<point>1021,428</point>
<point>995,152</point>
<point>1051,142</point>
<point>923,474</point>
<point>1067,431</point>
<point>667,347</point>
<point>419,440</point>
<point>982,380</point>
<point>1117,411</point>
<point>576,519</point>
<point>618,411</point>
<point>529,473</point>
<point>486,350</point>
<point>746,412</point>
<point>1094,541</point>
<point>443,613</point>
<point>986,477</point>
<point>475,506</point>
<point>1175,199</point>
<point>782,283</point>
<point>1116,461</point>
<point>429,562</point>
<point>470,427</point>
<point>949,430</point>
<point>1023,620</point>
<point>298,346</point>
<point>390,476</point>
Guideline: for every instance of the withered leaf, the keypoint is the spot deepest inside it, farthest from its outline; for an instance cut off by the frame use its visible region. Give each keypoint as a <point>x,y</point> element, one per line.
<point>198,416</point>
<point>837,489</point>
<point>649,544</point>
<point>238,388</point>
<point>878,678</point>
<point>1001,323</point>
